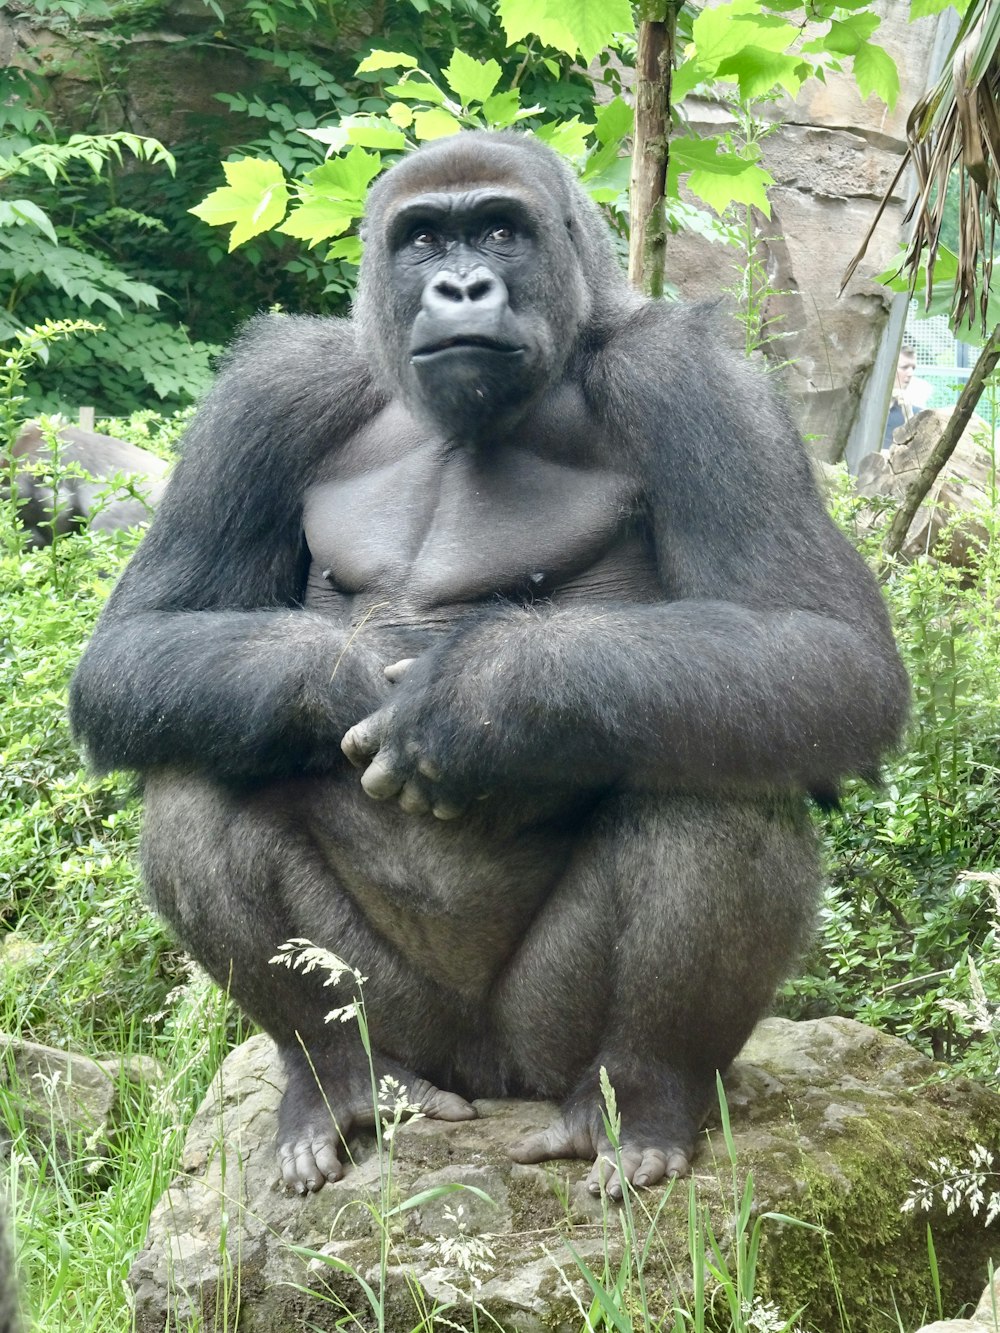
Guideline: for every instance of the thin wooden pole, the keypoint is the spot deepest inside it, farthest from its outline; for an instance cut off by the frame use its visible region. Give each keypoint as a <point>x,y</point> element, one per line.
<point>651,144</point>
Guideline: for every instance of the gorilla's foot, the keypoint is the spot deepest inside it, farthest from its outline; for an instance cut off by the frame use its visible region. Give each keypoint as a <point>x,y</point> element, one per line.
<point>315,1117</point>
<point>657,1139</point>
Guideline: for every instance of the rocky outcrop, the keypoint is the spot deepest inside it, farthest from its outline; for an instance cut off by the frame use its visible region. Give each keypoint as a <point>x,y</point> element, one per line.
<point>831,1120</point>
<point>67,1101</point>
<point>949,522</point>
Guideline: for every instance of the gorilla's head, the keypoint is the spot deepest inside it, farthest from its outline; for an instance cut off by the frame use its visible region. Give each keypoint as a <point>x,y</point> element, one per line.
<point>484,265</point>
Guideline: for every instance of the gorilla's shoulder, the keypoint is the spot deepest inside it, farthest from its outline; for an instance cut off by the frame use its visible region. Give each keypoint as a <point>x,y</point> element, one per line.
<point>689,332</point>
<point>307,342</point>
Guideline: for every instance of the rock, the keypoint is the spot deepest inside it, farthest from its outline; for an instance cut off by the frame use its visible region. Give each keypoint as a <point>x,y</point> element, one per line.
<point>69,1102</point>
<point>832,1120</point>
<point>963,487</point>
<point>89,464</point>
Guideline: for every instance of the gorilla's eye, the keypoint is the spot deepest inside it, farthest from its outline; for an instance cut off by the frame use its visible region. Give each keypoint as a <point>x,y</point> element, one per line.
<point>500,233</point>
<point>424,239</point>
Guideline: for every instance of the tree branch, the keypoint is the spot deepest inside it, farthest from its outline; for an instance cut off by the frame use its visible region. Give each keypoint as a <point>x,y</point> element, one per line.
<point>651,145</point>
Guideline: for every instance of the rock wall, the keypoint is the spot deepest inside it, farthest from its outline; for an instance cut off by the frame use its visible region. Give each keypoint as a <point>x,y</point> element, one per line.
<point>832,159</point>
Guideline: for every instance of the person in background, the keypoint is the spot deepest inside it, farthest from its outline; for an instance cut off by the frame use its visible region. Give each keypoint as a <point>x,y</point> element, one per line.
<point>909,394</point>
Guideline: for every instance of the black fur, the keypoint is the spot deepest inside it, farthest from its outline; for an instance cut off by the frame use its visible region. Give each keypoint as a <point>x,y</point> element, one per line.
<point>639,643</point>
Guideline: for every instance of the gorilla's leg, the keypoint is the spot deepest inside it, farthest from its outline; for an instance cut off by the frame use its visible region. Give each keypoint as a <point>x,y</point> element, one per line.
<point>658,954</point>
<point>237,876</point>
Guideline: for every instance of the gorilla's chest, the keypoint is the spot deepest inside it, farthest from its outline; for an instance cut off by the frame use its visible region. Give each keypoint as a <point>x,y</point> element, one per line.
<point>435,528</point>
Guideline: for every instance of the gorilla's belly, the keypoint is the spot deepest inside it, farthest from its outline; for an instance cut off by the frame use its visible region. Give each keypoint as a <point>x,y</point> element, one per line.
<point>454,897</point>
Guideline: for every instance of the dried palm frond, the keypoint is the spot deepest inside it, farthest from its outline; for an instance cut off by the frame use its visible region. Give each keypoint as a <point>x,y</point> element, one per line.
<point>956,127</point>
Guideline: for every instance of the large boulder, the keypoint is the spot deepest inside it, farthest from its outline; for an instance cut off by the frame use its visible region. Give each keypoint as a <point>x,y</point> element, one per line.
<point>830,1119</point>
<point>962,491</point>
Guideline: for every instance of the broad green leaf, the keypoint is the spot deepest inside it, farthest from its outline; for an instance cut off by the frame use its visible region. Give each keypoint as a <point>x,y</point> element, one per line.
<point>584,26</point>
<point>348,248</point>
<point>568,137</point>
<point>875,72</point>
<point>600,159</point>
<point>726,30</point>
<point>434,124</point>
<point>255,199</point>
<point>945,270</point>
<point>720,179</point>
<point>470,80</point>
<point>758,71</point>
<point>373,132</point>
<point>400,114</point>
<point>503,109</point>
<point>18,212</point>
<point>318,219</point>
<point>379,60</point>
<point>608,185</point>
<point>847,35</point>
<point>418,90</point>
<point>346,177</point>
<point>739,183</point>
<point>334,136</point>
<point>922,8</point>
<point>688,74</point>
<point>614,121</point>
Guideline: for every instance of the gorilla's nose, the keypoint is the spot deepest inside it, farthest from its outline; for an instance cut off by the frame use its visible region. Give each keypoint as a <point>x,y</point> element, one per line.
<point>451,292</point>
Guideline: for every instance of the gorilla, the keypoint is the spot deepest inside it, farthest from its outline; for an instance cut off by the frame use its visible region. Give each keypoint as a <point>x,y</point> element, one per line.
<point>495,639</point>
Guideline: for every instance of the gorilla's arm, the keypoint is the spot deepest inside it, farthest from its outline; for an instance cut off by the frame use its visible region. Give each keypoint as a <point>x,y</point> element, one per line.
<point>202,655</point>
<point>771,664</point>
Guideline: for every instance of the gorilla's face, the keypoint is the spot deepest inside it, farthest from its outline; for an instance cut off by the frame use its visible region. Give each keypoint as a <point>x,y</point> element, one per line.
<point>473,291</point>
<point>462,263</point>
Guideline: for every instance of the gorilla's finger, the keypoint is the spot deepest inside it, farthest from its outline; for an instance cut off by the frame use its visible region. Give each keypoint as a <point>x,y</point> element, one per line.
<point>395,671</point>
<point>445,810</point>
<point>383,779</point>
<point>362,741</point>
<point>413,798</point>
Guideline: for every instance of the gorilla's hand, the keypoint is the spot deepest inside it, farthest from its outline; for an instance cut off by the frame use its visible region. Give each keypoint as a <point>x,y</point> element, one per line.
<point>397,764</point>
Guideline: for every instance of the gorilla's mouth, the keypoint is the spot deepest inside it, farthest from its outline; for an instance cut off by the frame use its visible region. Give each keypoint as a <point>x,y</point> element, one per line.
<point>465,343</point>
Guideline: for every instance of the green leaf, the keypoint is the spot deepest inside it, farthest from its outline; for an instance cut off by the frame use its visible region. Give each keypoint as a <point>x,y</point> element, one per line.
<point>471,80</point>
<point>21,212</point>
<point>318,219</point>
<point>614,121</point>
<point>255,199</point>
<point>574,26</point>
<point>568,137</point>
<point>725,31</point>
<point>759,71</point>
<point>373,132</point>
<point>418,90</point>
<point>720,179</point>
<point>847,35</point>
<point>922,8</point>
<point>434,124</point>
<point>400,114</point>
<point>348,249</point>
<point>875,72</point>
<point>502,109</point>
<point>379,60</point>
<point>345,177</point>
